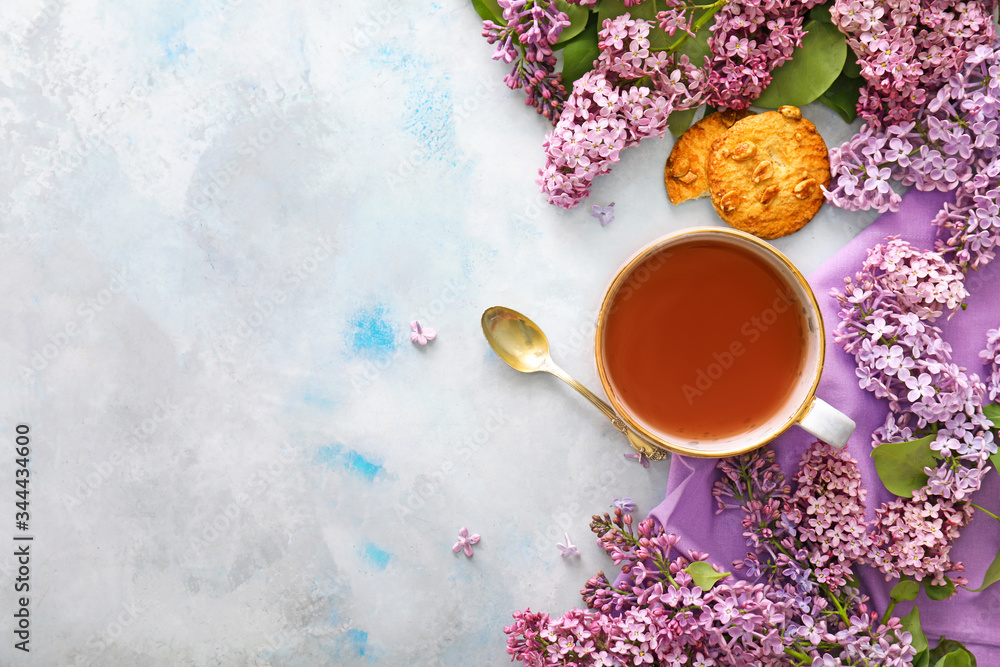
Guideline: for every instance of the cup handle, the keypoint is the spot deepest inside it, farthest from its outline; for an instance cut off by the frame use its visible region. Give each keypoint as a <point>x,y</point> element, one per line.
<point>827,423</point>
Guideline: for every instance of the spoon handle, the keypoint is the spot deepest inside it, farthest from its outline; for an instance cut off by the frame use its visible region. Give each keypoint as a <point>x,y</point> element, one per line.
<point>638,443</point>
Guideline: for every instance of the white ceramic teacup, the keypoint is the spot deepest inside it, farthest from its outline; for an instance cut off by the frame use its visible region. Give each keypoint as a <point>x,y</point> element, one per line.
<point>801,406</point>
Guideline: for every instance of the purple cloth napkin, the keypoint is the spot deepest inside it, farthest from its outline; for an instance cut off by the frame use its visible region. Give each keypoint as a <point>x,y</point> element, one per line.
<point>689,509</point>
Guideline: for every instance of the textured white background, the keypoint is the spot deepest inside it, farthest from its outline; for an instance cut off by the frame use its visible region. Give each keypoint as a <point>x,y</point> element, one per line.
<point>218,219</point>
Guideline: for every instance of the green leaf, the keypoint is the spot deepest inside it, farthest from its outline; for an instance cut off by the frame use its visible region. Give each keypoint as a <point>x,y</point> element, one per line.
<point>579,17</point>
<point>922,659</point>
<point>959,658</point>
<point>704,575</point>
<point>992,575</point>
<point>579,55</point>
<point>911,623</point>
<point>821,13</point>
<point>842,97</point>
<point>906,589</point>
<point>852,68</point>
<point>900,465</point>
<point>812,69</point>
<point>489,10</point>
<point>942,592</point>
<point>609,9</point>
<point>680,121</point>
<point>959,655</point>
<point>696,48</point>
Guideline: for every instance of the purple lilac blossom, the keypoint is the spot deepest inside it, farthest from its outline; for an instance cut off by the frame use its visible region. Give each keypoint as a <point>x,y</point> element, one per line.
<point>655,613</point>
<point>749,40</point>
<point>950,144</point>
<point>908,48</point>
<point>627,97</point>
<point>533,28</point>
<point>887,316</point>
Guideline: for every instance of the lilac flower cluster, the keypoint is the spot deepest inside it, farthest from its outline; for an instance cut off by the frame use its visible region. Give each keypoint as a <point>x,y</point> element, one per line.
<point>950,144</point>
<point>805,543</point>
<point>624,99</point>
<point>825,514</point>
<point>749,39</point>
<point>658,615</point>
<point>887,314</point>
<point>991,356</point>
<point>908,48</point>
<point>673,608</point>
<point>533,28</point>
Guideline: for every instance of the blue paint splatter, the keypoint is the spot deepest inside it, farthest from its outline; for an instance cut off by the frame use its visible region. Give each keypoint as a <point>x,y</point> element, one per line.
<point>376,556</point>
<point>371,332</point>
<point>318,401</point>
<point>175,50</point>
<point>428,103</point>
<point>358,640</point>
<point>337,456</point>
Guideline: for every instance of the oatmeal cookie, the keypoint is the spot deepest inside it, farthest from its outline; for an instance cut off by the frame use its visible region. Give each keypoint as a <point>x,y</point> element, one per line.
<point>685,174</point>
<point>765,173</point>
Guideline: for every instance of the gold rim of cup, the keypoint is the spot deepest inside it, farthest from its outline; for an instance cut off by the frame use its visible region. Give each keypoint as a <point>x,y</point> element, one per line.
<point>625,271</point>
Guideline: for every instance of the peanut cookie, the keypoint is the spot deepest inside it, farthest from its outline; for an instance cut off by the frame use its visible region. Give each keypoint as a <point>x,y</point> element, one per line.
<point>685,174</point>
<point>765,173</point>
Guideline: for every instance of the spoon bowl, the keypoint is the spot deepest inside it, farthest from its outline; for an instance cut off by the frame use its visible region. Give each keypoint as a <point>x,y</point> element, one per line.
<point>523,346</point>
<point>516,339</point>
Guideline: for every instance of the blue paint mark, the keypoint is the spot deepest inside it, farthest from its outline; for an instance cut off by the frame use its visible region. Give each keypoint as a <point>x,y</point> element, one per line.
<point>428,103</point>
<point>319,401</point>
<point>376,556</point>
<point>358,640</point>
<point>371,332</point>
<point>337,456</point>
<point>175,50</point>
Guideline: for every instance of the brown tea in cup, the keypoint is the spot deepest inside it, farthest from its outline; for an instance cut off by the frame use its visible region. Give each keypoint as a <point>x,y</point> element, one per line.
<point>704,339</point>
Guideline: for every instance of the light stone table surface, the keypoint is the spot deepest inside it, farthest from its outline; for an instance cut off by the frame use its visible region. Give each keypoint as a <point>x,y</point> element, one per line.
<point>219,218</point>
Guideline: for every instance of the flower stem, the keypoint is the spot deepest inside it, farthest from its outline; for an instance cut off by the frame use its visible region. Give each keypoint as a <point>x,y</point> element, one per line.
<point>983,509</point>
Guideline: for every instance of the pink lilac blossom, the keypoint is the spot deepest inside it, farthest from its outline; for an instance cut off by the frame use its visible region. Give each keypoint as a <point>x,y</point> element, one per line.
<point>626,98</point>
<point>950,144</point>
<point>465,542</point>
<point>420,334</point>
<point>887,313</point>
<point>533,28</point>
<point>749,40</point>
<point>827,507</point>
<point>908,48</point>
